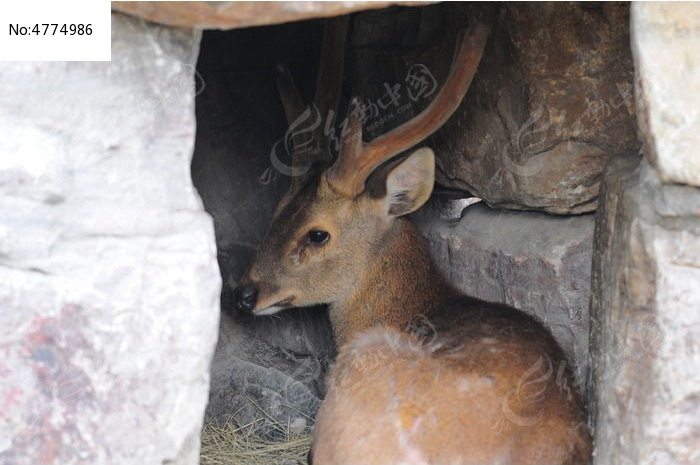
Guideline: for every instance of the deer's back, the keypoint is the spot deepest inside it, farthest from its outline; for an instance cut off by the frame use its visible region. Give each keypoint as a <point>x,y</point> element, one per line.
<point>473,383</point>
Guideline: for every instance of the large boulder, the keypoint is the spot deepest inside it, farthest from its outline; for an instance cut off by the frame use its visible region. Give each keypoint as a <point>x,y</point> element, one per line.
<point>666,46</point>
<point>535,262</point>
<point>551,102</point>
<point>645,324</point>
<point>108,279</point>
<point>229,15</point>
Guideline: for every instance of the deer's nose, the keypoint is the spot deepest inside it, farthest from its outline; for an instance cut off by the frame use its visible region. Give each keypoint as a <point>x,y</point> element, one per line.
<point>246,296</point>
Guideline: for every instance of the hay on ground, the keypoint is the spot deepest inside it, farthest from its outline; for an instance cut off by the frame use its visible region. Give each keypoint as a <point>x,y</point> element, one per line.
<point>231,444</point>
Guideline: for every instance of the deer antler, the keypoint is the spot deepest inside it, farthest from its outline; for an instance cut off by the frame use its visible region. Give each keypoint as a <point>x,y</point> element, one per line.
<point>358,159</point>
<point>291,100</point>
<point>330,74</point>
<point>312,142</point>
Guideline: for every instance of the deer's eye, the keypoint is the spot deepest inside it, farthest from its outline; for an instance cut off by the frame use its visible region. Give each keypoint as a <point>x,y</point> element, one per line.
<point>318,237</point>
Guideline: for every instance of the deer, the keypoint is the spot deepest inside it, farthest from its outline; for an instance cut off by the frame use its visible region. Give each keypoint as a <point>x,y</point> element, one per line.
<point>424,374</point>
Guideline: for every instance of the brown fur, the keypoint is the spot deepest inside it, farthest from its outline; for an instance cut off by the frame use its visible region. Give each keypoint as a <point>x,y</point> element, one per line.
<point>424,375</point>
<point>445,378</point>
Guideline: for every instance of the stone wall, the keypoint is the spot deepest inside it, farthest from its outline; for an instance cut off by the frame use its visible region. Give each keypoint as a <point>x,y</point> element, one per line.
<point>645,324</point>
<point>666,47</point>
<point>108,279</point>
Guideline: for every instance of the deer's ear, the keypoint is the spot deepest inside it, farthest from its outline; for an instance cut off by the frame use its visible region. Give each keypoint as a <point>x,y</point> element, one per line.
<point>409,184</point>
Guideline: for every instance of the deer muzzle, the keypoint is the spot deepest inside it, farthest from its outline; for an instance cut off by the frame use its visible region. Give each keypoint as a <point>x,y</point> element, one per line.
<point>246,296</point>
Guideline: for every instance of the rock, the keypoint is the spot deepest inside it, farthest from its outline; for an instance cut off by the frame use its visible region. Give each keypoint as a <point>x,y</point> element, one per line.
<point>239,120</point>
<point>267,367</point>
<point>551,102</point>
<point>666,47</point>
<point>645,324</point>
<point>535,262</point>
<point>644,310</point>
<point>228,15</point>
<point>108,280</point>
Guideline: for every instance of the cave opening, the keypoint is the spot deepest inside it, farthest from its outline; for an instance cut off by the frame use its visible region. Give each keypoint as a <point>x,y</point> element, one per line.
<point>551,103</point>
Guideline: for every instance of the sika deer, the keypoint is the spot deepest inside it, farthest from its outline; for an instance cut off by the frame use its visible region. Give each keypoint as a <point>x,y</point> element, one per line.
<point>424,374</point>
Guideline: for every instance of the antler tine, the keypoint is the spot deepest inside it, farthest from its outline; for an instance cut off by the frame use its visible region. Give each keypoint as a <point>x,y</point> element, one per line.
<point>294,108</point>
<point>330,74</point>
<point>357,159</point>
<point>307,128</point>
<point>291,100</point>
<point>351,145</point>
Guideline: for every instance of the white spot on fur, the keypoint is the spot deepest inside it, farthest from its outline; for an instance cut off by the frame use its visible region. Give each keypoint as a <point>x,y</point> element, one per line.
<point>410,453</point>
<point>398,343</point>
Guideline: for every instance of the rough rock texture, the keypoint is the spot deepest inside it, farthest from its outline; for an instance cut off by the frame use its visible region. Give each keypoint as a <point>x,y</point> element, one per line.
<point>228,15</point>
<point>270,368</point>
<point>645,326</point>
<point>666,46</point>
<point>535,262</point>
<point>108,279</point>
<point>239,119</point>
<point>551,103</point>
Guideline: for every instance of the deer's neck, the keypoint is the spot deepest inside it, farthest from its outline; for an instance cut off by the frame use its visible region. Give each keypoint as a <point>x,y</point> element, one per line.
<point>401,282</point>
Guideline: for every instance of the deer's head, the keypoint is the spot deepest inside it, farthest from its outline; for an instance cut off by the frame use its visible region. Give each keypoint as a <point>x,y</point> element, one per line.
<point>336,215</point>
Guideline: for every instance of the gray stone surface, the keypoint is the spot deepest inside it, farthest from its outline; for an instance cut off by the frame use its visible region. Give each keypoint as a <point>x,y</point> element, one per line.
<point>645,324</point>
<point>535,262</point>
<point>666,47</point>
<point>108,280</point>
<point>270,367</point>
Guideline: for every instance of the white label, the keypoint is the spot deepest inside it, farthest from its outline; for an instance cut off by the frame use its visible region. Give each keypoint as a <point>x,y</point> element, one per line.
<point>66,30</point>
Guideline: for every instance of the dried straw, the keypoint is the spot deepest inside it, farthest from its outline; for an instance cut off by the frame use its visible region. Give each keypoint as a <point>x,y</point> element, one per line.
<point>231,444</point>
